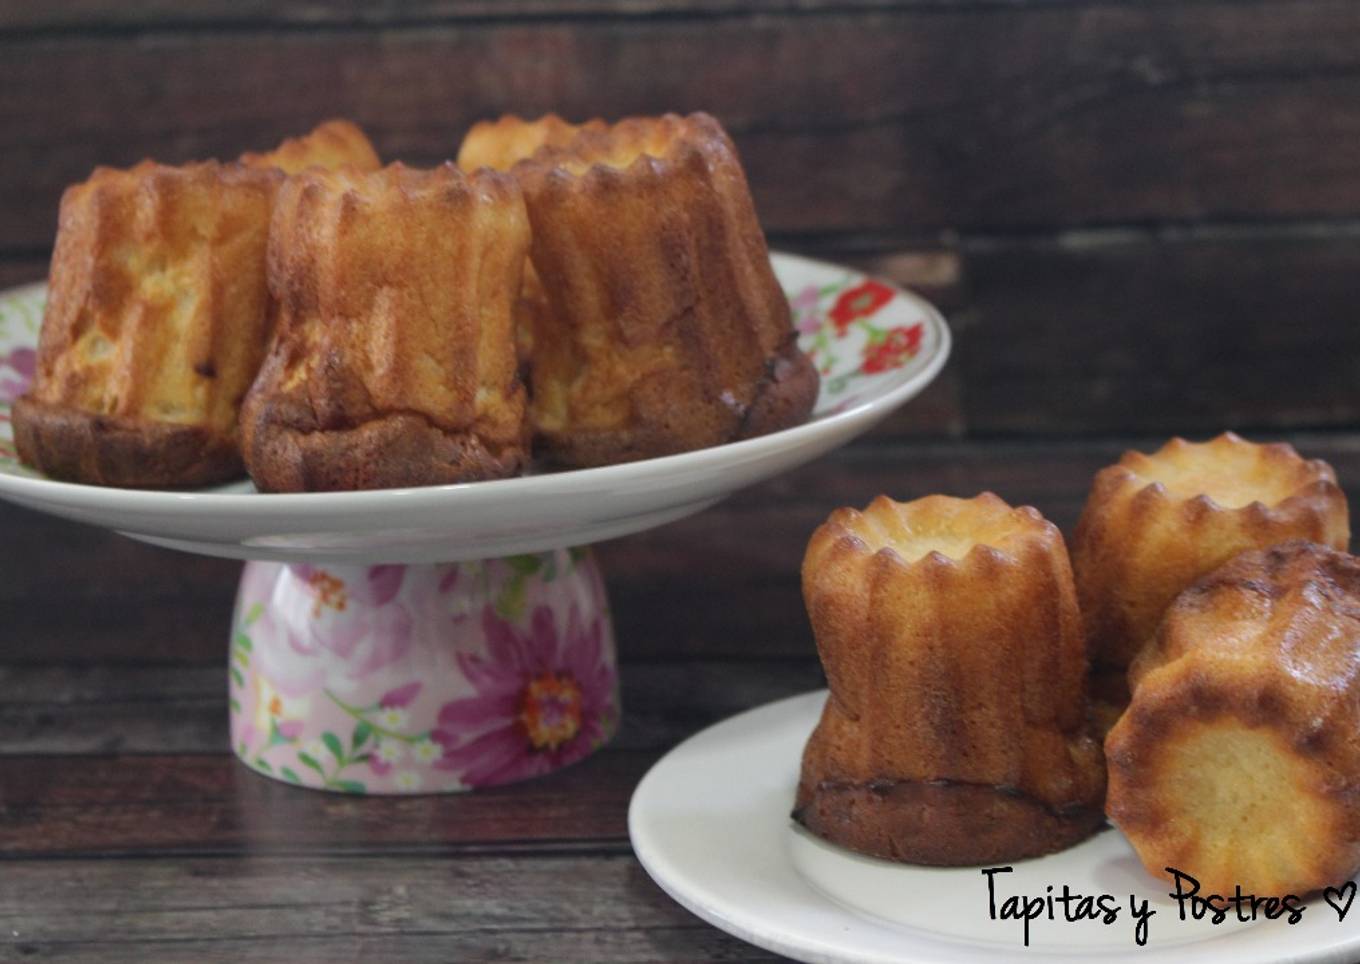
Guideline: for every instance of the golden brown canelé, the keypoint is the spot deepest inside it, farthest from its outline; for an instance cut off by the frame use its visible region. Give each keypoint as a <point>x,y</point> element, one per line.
<point>956,729</point>
<point>1238,760</point>
<point>155,325</point>
<point>657,325</point>
<point>331,144</point>
<point>393,362</point>
<point>158,316</point>
<point>1153,524</point>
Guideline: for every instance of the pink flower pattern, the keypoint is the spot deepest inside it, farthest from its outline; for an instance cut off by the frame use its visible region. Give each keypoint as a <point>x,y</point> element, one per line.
<point>16,373</point>
<point>544,699</point>
<point>357,627</point>
<point>807,319</point>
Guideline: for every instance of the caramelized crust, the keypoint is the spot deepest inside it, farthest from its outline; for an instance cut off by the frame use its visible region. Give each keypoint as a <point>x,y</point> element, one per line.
<point>655,321</point>
<point>1238,760</point>
<point>1153,524</point>
<point>66,443</point>
<point>956,729</point>
<point>155,324</point>
<point>393,362</point>
<point>331,144</point>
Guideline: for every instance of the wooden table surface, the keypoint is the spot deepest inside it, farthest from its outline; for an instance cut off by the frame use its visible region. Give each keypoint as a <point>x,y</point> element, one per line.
<point>128,832</point>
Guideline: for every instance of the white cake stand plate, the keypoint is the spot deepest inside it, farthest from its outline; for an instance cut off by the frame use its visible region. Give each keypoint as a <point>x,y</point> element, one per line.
<point>440,638</point>
<point>710,823</point>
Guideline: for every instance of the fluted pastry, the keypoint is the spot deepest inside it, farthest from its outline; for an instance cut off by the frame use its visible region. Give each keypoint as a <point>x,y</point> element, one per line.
<point>655,324</point>
<point>158,316</point>
<point>393,362</point>
<point>956,730</point>
<point>1237,761</point>
<point>1153,524</point>
<point>155,324</point>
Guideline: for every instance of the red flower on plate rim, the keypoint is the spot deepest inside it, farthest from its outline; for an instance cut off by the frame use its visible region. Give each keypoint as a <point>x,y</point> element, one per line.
<point>893,350</point>
<point>861,301</point>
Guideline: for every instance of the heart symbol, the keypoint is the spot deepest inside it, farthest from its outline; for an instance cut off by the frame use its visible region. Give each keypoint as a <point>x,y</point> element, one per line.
<point>1340,899</point>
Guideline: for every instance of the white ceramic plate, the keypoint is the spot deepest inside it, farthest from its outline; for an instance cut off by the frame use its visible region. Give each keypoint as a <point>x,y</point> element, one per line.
<point>877,347</point>
<point>710,823</point>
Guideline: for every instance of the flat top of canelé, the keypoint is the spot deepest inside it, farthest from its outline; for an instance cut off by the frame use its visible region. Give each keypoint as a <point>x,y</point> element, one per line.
<point>398,183</point>
<point>500,143</point>
<point>150,184</point>
<point>330,144</point>
<point>937,523</point>
<point>1228,469</point>
<point>618,146</point>
<point>1246,784</point>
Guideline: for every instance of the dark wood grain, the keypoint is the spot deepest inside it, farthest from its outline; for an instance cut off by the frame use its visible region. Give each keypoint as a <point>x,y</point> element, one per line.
<point>209,803</point>
<point>1144,333</point>
<point>600,908</point>
<point>929,117</point>
<point>21,270</point>
<point>690,941</point>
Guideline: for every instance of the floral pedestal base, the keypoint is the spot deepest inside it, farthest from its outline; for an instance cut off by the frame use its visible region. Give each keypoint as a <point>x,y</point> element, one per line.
<point>422,679</point>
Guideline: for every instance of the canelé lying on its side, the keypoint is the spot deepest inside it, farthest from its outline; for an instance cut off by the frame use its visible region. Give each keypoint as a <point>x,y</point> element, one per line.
<point>1238,759</point>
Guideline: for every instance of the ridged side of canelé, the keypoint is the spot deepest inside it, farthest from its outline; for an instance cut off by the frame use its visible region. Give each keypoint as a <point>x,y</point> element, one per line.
<point>661,326</point>
<point>331,144</point>
<point>1137,545</point>
<point>1238,759</point>
<point>394,361</point>
<point>155,325</point>
<point>957,687</point>
<point>501,144</point>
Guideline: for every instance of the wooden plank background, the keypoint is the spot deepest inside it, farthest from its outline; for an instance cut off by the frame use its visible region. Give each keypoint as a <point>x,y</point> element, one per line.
<point>1140,216</point>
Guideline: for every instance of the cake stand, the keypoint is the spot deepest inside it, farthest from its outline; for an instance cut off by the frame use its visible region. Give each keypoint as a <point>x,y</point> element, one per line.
<point>441,638</point>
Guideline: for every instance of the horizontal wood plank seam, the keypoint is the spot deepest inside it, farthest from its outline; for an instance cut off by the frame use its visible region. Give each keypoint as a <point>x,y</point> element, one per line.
<point>697,926</point>
<point>548,848</point>
<point>588,14</point>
